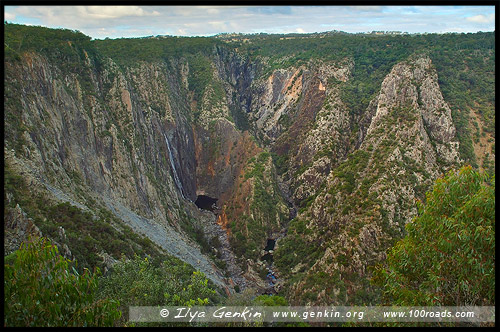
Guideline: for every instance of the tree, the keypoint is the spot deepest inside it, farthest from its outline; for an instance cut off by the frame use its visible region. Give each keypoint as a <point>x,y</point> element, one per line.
<point>40,290</point>
<point>140,282</point>
<point>448,255</point>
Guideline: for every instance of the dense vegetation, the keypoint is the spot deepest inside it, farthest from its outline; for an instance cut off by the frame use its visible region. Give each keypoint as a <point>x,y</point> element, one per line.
<point>140,282</point>
<point>44,290</point>
<point>447,257</point>
<point>129,51</point>
<point>86,234</point>
<point>58,44</point>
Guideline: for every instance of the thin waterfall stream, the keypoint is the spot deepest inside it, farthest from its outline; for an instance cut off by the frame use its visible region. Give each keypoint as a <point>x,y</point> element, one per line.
<point>174,170</point>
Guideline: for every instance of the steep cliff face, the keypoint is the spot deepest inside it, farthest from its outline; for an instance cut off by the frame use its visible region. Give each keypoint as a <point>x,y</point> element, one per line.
<point>366,201</point>
<point>111,136</point>
<point>143,141</point>
<point>114,139</point>
<point>298,114</point>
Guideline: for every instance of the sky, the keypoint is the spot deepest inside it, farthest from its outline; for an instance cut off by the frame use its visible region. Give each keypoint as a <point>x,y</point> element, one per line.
<point>101,22</point>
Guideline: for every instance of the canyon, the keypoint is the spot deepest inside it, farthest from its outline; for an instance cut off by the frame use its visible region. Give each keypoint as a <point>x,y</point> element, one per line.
<point>222,154</point>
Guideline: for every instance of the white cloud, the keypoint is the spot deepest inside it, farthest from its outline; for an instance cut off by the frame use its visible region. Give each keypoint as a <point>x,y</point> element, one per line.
<point>183,10</point>
<point>482,18</point>
<point>106,12</point>
<point>9,16</point>
<point>209,9</point>
<point>79,16</point>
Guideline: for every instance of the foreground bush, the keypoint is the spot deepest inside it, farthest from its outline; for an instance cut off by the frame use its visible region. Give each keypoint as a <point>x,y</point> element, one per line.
<point>41,289</point>
<point>448,256</point>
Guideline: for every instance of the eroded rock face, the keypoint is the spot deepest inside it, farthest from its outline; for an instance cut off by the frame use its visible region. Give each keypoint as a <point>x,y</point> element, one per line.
<point>299,115</point>
<point>414,85</point>
<point>369,197</point>
<point>221,153</point>
<point>135,140</point>
<point>118,138</point>
<point>18,228</point>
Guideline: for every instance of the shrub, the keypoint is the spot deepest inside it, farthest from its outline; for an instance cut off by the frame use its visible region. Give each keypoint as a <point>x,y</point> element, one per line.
<point>140,282</point>
<point>448,256</point>
<point>41,290</point>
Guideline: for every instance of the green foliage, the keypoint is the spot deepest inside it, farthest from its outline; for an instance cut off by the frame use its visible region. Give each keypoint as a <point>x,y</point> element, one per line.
<point>349,170</point>
<point>12,184</point>
<point>468,69</point>
<point>257,166</point>
<point>130,51</point>
<point>297,248</point>
<point>14,125</point>
<point>62,44</point>
<point>372,63</point>
<point>140,282</point>
<point>87,236</point>
<point>200,75</point>
<point>71,50</point>
<point>42,290</point>
<point>270,301</point>
<point>280,162</point>
<point>447,258</point>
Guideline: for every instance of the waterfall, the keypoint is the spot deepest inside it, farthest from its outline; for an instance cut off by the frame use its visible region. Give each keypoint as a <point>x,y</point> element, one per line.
<point>174,170</point>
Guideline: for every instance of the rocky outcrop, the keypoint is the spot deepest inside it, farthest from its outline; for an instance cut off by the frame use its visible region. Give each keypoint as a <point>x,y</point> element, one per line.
<point>221,153</point>
<point>414,85</point>
<point>369,197</point>
<point>298,114</point>
<point>18,228</point>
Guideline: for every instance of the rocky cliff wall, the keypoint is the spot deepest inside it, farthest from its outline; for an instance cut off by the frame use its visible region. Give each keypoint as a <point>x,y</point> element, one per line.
<point>143,141</point>
<point>119,138</point>
<point>366,201</point>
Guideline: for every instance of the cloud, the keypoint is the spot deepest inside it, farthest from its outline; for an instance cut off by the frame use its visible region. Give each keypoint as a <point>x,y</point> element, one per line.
<point>482,18</point>
<point>367,8</point>
<point>209,9</point>
<point>106,12</point>
<point>9,17</point>
<point>271,10</point>
<point>82,16</point>
<point>218,25</point>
